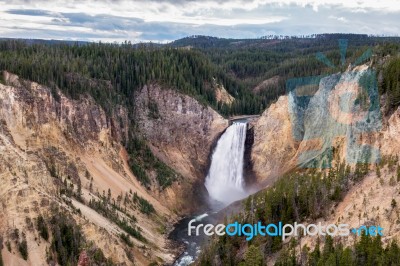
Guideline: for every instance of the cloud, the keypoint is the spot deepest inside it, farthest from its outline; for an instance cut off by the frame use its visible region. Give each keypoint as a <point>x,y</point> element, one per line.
<point>118,20</point>
<point>30,12</point>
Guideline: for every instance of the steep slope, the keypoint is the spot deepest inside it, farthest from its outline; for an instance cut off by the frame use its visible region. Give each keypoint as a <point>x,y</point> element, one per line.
<point>273,142</point>
<point>222,95</point>
<point>50,142</point>
<point>62,166</point>
<point>336,122</point>
<point>181,132</point>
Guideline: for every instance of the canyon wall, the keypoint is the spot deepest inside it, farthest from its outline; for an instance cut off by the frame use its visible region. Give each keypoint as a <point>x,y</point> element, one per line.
<point>53,147</point>
<point>181,132</point>
<point>340,121</point>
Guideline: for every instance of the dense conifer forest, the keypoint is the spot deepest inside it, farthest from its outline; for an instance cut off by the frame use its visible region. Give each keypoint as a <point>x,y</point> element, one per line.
<point>111,73</point>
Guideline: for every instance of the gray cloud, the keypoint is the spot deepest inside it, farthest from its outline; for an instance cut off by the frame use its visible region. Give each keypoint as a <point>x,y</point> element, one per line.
<point>29,12</point>
<point>23,19</point>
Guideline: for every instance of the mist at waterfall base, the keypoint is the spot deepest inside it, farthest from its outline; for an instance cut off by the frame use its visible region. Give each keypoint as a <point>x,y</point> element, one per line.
<point>225,182</point>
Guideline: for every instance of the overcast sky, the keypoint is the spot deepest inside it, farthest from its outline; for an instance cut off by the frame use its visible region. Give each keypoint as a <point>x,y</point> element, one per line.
<point>166,20</point>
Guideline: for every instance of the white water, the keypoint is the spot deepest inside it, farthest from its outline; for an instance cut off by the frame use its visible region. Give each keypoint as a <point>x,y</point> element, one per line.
<point>224,181</point>
<point>201,217</point>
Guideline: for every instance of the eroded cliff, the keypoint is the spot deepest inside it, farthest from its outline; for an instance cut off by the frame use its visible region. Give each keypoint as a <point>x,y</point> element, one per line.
<point>55,146</point>
<point>340,121</point>
<point>181,132</point>
<point>64,155</point>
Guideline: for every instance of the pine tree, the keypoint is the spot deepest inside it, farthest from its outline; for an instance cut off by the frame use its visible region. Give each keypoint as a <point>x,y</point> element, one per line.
<point>398,173</point>
<point>346,258</point>
<point>1,256</point>
<point>316,254</point>
<point>109,195</point>
<point>392,254</point>
<point>393,204</point>
<point>253,256</point>
<point>378,171</point>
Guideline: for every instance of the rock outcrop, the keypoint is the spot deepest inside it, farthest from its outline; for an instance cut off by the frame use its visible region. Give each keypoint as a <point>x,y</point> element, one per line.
<point>181,132</point>
<point>61,153</point>
<point>179,128</point>
<point>66,154</point>
<point>268,83</point>
<point>341,120</point>
<point>273,145</point>
<point>223,96</point>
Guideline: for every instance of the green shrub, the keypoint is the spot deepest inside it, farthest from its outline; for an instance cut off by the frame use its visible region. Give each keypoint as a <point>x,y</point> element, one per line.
<point>126,239</point>
<point>153,110</point>
<point>142,160</point>
<point>23,249</point>
<point>103,208</point>
<point>1,249</point>
<point>139,173</point>
<point>42,228</point>
<point>144,206</point>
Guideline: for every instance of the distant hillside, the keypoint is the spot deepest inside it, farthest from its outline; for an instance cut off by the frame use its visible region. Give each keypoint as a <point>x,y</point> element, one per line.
<point>326,41</point>
<point>112,72</point>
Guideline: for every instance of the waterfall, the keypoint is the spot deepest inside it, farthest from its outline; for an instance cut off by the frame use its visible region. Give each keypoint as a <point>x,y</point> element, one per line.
<point>224,181</point>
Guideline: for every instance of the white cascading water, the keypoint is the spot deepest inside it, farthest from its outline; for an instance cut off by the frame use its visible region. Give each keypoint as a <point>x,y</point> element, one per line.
<point>224,181</point>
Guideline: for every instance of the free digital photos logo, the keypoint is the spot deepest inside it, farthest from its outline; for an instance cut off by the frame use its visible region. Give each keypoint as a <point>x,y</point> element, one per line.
<point>280,230</point>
